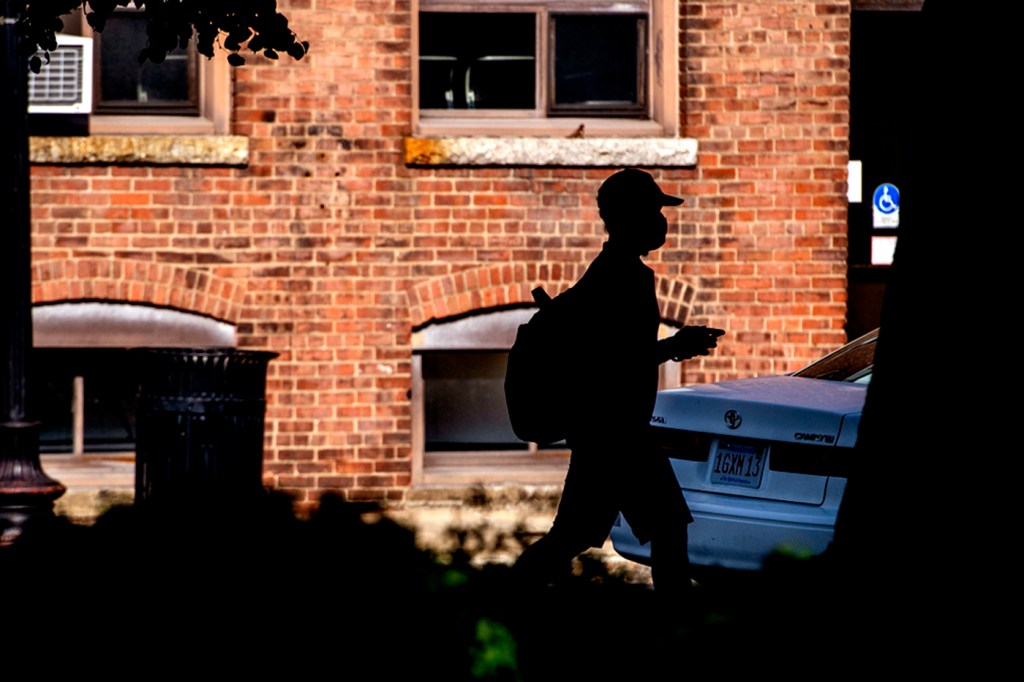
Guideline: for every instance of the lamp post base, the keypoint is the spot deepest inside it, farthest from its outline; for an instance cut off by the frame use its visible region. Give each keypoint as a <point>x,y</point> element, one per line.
<point>26,492</point>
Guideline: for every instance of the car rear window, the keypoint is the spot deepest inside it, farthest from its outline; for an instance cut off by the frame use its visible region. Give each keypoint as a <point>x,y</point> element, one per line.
<point>852,362</point>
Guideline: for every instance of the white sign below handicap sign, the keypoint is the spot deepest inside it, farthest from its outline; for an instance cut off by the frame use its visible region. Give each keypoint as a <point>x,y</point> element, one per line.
<point>885,206</point>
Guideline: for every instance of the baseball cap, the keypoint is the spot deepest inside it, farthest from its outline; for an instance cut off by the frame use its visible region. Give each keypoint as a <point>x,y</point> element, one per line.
<point>631,187</point>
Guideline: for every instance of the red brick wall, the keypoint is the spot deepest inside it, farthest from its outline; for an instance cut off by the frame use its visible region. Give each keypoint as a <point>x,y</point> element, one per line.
<point>327,249</point>
<point>766,91</point>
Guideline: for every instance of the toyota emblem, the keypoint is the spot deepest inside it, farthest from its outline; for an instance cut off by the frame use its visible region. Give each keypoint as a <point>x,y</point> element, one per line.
<point>733,419</point>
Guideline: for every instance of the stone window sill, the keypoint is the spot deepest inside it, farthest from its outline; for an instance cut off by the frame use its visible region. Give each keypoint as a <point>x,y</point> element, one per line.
<point>173,150</point>
<point>650,152</point>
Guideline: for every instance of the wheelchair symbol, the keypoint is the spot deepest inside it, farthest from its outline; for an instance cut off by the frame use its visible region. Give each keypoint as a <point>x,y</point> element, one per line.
<point>887,199</point>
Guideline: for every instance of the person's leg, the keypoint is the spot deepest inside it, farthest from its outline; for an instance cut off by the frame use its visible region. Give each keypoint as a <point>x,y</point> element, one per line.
<point>670,565</point>
<point>550,557</point>
<point>584,517</point>
<point>659,513</point>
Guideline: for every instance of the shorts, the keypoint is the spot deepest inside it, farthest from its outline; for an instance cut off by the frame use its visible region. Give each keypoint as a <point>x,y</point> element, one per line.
<point>603,481</point>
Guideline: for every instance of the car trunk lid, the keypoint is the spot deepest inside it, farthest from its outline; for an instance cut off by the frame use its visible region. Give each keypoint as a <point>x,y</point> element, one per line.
<point>773,438</point>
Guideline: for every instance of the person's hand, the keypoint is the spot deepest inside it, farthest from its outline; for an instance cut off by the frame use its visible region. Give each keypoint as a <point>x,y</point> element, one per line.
<point>690,342</point>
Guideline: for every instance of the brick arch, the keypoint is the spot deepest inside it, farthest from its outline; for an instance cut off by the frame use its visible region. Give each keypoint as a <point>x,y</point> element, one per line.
<point>158,284</point>
<point>510,284</point>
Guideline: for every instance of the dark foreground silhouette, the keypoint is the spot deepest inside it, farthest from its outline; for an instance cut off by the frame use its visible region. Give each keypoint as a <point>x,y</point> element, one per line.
<point>210,589</point>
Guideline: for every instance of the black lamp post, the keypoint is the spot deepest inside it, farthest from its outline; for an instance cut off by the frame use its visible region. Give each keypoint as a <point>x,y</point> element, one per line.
<point>26,492</point>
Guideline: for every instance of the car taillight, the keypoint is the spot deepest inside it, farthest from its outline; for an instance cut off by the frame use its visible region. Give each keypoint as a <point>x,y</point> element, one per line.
<point>817,460</point>
<point>681,444</point>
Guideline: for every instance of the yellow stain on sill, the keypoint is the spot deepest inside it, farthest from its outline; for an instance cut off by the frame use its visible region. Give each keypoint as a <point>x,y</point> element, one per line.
<point>422,151</point>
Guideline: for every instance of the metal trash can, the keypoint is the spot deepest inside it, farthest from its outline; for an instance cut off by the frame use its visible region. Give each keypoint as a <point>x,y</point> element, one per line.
<point>199,424</point>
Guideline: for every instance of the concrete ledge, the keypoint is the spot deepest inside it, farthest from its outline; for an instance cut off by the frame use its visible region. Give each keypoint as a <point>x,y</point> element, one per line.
<point>84,506</point>
<point>648,152</point>
<point>175,150</point>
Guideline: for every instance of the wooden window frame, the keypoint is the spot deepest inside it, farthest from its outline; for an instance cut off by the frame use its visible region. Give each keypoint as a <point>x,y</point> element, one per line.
<point>187,107</point>
<point>214,99</point>
<point>661,87</point>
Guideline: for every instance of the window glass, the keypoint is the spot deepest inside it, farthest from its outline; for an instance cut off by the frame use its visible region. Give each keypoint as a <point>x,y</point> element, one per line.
<point>598,64</point>
<point>853,362</point>
<point>477,60</point>
<point>127,86</point>
<point>110,398</point>
<point>464,402</point>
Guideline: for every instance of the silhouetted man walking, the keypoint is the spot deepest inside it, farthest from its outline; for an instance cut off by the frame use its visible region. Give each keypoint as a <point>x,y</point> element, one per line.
<point>613,466</point>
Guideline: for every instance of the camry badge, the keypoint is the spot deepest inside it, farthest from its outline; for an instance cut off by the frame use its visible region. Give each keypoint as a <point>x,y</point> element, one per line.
<point>733,419</point>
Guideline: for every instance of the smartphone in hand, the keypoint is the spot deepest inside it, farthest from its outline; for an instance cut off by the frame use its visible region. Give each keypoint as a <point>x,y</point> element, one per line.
<point>691,341</point>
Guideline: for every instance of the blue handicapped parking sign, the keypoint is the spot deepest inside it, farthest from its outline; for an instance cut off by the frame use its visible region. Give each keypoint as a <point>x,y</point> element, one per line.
<point>885,206</point>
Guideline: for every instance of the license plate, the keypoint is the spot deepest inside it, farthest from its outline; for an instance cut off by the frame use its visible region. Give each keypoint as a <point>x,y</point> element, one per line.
<point>736,464</point>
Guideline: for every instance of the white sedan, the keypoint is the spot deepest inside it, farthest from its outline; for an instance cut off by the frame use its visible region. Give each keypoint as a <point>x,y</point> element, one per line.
<point>762,462</point>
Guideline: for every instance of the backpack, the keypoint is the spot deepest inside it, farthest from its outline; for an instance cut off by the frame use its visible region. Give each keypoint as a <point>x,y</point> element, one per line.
<point>537,378</point>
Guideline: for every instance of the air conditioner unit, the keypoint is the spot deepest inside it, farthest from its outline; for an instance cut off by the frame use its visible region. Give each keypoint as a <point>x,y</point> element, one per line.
<point>60,95</point>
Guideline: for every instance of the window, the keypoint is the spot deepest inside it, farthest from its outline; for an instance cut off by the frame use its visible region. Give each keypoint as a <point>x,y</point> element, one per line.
<point>186,94</point>
<point>124,85</point>
<point>468,62</point>
<point>598,65</point>
<point>461,431</point>
<point>80,391</point>
<point>464,402</point>
<point>94,379</point>
<point>551,65</point>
